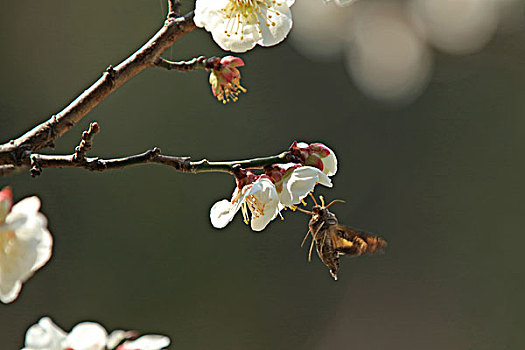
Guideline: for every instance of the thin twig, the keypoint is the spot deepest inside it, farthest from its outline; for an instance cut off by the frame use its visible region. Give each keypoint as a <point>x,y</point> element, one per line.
<point>185,66</point>
<point>153,156</point>
<point>17,151</point>
<point>85,144</point>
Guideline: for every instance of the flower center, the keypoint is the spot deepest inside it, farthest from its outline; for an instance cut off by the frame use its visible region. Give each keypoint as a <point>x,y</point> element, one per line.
<point>255,206</point>
<point>227,91</point>
<point>249,12</point>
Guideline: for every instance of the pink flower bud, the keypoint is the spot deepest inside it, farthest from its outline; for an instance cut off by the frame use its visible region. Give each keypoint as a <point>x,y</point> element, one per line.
<point>6,202</point>
<point>316,155</point>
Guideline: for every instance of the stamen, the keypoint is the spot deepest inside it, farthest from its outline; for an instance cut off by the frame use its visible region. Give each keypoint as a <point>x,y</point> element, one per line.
<point>251,11</point>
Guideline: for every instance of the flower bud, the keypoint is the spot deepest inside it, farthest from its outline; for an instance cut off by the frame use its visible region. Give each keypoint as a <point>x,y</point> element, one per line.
<point>225,78</point>
<point>6,202</point>
<point>243,177</point>
<point>316,155</point>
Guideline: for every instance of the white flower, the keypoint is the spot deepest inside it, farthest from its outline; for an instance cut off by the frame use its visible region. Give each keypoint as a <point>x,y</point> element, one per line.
<point>45,335</point>
<point>298,183</point>
<point>25,243</point>
<point>260,197</point>
<point>239,25</point>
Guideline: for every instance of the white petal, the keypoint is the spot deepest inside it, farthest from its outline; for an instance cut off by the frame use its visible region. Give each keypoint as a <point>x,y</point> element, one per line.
<point>45,335</point>
<point>279,27</point>
<point>330,164</point>
<point>222,213</point>
<point>267,194</point>
<point>27,206</point>
<point>148,342</point>
<point>231,41</point>
<point>301,182</point>
<point>87,336</point>
<point>9,290</point>
<point>115,338</point>
<point>323,178</point>
<point>206,10</point>
<point>43,250</point>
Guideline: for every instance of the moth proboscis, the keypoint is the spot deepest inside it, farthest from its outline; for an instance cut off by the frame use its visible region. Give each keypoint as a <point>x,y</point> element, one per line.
<point>332,239</point>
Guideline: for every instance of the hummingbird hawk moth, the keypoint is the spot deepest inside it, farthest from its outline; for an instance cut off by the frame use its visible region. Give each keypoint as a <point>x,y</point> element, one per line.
<point>332,239</point>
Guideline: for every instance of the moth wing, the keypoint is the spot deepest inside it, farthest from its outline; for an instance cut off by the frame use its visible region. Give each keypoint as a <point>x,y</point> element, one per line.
<point>361,242</point>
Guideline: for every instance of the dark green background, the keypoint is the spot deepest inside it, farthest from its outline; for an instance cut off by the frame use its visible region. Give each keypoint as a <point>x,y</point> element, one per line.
<point>441,179</point>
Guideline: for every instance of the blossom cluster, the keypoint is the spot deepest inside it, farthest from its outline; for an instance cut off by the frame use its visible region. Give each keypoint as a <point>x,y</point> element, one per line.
<point>279,187</point>
<point>45,335</point>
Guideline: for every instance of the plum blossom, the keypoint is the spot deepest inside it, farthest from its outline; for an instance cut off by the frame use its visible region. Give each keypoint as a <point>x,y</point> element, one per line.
<point>45,335</point>
<point>317,155</point>
<point>25,242</point>
<point>239,25</point>
<point>225,78</point>
<point>259,197</point>
<point>294,182</point>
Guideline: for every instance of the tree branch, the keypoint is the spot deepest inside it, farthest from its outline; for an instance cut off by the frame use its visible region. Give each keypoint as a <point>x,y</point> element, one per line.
<point>18,151</point>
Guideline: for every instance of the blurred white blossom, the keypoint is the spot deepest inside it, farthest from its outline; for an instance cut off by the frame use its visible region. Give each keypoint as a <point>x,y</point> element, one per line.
<point>388,44</point>
<point>25,243</point>
<point>239,25</point>
<point>340,3</point>
<point>456,26</point>
<point>386,58</point>
<point>45,335</point>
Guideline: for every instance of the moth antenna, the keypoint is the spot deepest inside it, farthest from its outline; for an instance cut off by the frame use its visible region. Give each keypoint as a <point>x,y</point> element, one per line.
<point>310,251</point>
<point>311,195</point>
<point>305,237</point>
<point>335,201</point>
<point>322,201</point>
<point>314,236</point>
<point>304,211</point>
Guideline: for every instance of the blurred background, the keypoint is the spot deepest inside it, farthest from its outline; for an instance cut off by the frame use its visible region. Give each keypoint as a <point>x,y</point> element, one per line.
<point>423,102</point>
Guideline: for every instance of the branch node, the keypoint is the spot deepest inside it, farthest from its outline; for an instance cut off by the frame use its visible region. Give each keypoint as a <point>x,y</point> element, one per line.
<point>35,170</point>
<point>292,158</point>
<point>110,73</point>
<point>100,165</point>
<point>174,7</point>
<point>153,152</point>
